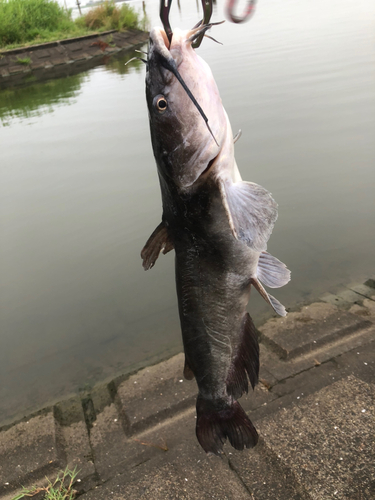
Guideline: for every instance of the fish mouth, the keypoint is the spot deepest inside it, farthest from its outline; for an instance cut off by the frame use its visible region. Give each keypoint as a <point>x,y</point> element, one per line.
<point>159,39</point>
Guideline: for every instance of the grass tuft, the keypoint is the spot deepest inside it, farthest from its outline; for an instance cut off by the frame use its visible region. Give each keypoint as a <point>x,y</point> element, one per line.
<point>60,489</point>
<point>109,16</point>
<point>23,60</point>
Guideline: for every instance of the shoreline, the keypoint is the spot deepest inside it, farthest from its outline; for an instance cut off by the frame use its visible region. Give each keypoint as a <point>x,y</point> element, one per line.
<point>64,57</point>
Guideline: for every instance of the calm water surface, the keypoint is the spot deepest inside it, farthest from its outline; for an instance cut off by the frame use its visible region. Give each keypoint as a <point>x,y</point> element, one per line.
<point>79,192</point>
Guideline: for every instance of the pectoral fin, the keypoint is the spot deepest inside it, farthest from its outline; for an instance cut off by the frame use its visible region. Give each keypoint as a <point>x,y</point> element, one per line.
<point>251,212</point>
<point>158,242</point>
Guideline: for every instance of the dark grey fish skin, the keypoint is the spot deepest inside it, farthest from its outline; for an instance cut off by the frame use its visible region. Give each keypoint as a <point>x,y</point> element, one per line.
<point>218,226</point>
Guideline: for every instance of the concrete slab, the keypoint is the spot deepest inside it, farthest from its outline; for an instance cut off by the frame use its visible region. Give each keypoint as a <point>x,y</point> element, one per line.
<point>363,290</point>
<point>28,451</point>
<point>266,476</point>
<point>370,282</point>
<point>370,305</point>
<point>73,47</point>
<point>43,54</point>
<point>182,472</point>
<point>333,299</point>
<point>155,393</point>
<point>327,441</point>
<point>74,440</point>
<point>282,369</point>
<point>109,443</point>
<point>303,331</point>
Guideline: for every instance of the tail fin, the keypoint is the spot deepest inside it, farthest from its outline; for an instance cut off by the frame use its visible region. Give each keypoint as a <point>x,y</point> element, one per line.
<point>218,420</point>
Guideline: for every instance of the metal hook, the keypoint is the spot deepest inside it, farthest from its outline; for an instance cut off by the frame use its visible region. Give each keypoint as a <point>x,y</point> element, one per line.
<point>165,7</point>
<point>207,13</point>
<point>249,10</point>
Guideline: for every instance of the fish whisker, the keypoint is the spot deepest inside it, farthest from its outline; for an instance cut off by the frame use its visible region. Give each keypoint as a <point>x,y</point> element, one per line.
<point>136,58</point>
<point>213,39</point>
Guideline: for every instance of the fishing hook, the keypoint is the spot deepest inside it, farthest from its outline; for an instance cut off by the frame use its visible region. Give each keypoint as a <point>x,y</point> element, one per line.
<point>249,10</point>
<point>207,13</point>
<point>165,7</point>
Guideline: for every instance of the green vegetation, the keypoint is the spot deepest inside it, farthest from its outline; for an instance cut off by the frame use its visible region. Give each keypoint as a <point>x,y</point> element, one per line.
<point>23,60</point>
<point>28,22</point>
<point>60,489</point>
<point>38,98</point>
<point>108,16</point>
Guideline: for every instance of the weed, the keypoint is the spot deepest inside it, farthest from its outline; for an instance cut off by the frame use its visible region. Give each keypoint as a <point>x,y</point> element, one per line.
<point>23,60</point>
<point>60,489</point>
<point>108,16</point>
<point>25,20</point>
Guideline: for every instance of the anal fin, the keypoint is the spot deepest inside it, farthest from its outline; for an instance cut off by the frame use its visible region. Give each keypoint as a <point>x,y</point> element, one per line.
<point>246,361</point>
<point>159,241</point>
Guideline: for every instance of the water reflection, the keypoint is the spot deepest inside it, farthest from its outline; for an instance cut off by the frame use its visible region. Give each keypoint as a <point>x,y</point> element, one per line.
<point>39,98</point>
<point>34,99</point>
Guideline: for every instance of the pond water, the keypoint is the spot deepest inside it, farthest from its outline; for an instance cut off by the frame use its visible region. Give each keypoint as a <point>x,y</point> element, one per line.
<point>79,192</point>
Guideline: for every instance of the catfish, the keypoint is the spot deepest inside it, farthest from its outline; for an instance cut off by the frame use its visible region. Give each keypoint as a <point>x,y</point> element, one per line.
<point>218,226</point>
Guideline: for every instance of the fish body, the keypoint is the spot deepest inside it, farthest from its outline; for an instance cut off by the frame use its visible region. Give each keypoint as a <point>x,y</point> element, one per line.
<point>219,227</point>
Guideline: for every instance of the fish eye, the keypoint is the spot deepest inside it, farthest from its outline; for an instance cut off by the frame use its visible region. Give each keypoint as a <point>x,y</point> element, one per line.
<point>160,103</point>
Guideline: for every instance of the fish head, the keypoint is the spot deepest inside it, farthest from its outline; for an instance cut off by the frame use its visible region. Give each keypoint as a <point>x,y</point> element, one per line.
<point>185,139</point>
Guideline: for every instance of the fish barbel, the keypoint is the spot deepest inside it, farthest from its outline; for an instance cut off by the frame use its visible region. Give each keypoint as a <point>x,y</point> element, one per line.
<point>218,225</point>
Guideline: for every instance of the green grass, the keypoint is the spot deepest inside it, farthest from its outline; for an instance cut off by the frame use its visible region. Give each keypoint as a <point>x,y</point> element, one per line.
<point>60,489</point>
<point>109,16</point>
<point>28,22</point>
<point>23,60</point>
